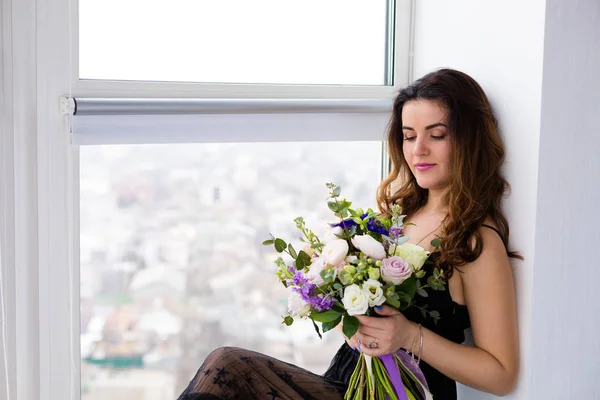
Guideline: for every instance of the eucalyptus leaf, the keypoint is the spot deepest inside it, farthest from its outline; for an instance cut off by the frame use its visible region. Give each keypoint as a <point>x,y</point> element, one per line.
<point>302,260</point>
<point>336,191</point>
<point>288,320</point>
<point>402,239</point>
<point>280,245</point>
<point>292,251</point>
<point>422,292</point>
<point>333,206</point>
<point>268,242</point>
<point>436,242</point>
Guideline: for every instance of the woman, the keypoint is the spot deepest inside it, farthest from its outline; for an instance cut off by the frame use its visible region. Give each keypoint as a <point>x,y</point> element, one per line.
<point>446,156</point>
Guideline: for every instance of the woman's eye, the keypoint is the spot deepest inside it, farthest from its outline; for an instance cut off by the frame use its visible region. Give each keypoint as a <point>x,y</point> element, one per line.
<point>409,138</point>
<point>438,137</point>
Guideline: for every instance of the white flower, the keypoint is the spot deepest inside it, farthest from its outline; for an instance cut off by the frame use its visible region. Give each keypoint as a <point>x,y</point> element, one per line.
<point>331,234</point>
<point>374,292</point>
<point>335,251</point>
<point>297,307</point>
<point>351,259</point>
<point>414,255</point>
<point>314,271</point>
<point>355,300</point>
<point>368,245</point>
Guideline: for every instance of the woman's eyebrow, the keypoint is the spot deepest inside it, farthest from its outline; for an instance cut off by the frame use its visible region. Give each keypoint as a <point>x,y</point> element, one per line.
<point>408,128</point>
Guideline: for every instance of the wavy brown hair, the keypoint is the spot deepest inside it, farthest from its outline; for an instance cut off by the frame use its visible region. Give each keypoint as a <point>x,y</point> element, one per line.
<point>476,185</point>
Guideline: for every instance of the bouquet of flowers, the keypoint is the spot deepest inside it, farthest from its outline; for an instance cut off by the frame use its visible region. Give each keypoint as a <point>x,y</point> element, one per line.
<point>364,261</point>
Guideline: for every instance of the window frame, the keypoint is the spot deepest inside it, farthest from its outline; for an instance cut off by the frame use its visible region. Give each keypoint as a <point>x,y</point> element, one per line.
<point>43,191</point>
<point>400,19</point>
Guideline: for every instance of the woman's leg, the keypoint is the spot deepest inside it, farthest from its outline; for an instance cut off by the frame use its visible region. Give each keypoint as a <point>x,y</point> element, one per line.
<point>234,373</point>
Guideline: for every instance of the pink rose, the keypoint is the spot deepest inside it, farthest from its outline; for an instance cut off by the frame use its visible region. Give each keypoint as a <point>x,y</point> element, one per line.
<point>395,270</point>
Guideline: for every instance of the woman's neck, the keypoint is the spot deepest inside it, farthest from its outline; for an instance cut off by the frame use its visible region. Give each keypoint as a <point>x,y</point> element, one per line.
<point>435,203</point>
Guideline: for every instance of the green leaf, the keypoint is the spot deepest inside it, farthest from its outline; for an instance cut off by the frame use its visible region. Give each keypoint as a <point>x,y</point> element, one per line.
<point>302,260</point>
<point>327,326</point>
<point>404,297</point>
<point>280,245</point>
<point>424,313</point>
<point>288,320</point>
<point>350,326</point>
<point>337,286</point>
<point>436,242</point>
<point>392,302</point>
<point>352,231</point>
<point>292,251</point>
<point>328,274</point>
<point>422,292</point>
<point>333,206</point>
<point>336,191</point>
<point>268,242</point>
<point>325,316</point>
<point>317,329</point>
<point>371,215</point>
<point>409,287</point>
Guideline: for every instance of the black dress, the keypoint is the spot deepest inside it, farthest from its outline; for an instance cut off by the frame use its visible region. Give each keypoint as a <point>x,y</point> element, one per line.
<point>233,373</point>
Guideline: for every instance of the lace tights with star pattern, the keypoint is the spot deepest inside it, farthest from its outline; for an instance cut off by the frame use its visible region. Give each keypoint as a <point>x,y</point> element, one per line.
<point>231,373</point>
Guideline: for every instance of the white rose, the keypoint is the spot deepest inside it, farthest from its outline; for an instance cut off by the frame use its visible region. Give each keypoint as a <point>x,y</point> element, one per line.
<point>414,255</point>
<point>374,292</point>
<point>368,245</point>
<point>355,300</point>
<point>335,251</point>
<point>297,307</point>
<point>314,271</point>
<point>331,234</point>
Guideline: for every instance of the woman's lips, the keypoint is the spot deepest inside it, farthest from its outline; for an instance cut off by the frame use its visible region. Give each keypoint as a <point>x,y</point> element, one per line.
<point>424,167</point>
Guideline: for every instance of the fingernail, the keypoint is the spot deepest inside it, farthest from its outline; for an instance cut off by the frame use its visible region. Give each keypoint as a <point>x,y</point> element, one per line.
<point>378,308</point>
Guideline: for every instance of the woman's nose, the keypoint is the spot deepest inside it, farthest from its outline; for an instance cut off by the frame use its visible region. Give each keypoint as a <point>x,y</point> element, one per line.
<point>420,147</point>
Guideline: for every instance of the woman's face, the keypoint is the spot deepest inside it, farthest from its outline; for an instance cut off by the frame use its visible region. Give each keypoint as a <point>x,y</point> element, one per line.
<point>426,143</point>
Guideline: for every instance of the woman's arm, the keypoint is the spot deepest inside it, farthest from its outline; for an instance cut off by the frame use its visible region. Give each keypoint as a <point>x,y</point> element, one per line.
<point>492,364</point>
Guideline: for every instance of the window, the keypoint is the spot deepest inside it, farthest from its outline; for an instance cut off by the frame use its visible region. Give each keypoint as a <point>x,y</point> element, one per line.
<point>333,42</point>
<point>172,264</point>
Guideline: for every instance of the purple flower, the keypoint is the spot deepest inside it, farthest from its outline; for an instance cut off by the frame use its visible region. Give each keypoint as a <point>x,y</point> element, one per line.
<point>300,279</point>
<point>374,225</point>
<point>348,223</point>
<point>396,232</point>
<point>322,302</point>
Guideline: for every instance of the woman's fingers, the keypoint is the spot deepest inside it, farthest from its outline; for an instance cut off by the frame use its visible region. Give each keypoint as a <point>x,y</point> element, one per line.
<point>361,341</point>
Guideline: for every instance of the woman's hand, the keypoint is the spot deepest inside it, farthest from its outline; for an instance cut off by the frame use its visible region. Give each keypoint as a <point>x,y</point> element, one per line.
<point>378,336</point>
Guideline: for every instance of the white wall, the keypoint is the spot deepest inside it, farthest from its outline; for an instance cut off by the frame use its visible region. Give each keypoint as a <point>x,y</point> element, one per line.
<point>565,361</point>
<point>500,44</point>
<point>539,63</point>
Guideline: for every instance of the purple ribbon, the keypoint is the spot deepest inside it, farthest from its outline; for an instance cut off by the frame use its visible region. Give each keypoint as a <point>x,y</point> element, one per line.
<point>395,378</point>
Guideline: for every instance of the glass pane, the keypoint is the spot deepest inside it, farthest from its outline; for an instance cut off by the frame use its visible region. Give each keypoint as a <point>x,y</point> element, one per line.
<point>172,264</point>
<point>234,41</point>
